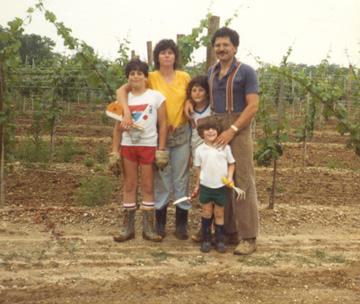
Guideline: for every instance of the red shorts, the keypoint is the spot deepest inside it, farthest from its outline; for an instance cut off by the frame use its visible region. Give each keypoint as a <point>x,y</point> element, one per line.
<point>140,154</point>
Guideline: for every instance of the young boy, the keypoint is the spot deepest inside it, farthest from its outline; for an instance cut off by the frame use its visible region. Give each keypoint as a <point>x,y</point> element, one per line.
<point>198,92</point>
<point>138,149</point>
<point>212,165</point>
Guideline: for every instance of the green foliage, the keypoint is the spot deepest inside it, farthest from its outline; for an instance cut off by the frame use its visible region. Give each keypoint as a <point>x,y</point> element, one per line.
<point>94,191</point>
<point>100,154</point>
<point>89,162</point>
<point>193,41</point>
<point>67,149</point>
<point>34,150</point>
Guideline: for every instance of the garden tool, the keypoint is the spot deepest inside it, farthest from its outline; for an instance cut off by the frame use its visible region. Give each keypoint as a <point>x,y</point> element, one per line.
<point>240,193</point>
<point>186,198</point>
<point>115,111</point>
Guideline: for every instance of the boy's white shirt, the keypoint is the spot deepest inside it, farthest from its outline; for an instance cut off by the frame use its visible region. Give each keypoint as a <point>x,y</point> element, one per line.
<point>144,113</point>
<point>214,164</point>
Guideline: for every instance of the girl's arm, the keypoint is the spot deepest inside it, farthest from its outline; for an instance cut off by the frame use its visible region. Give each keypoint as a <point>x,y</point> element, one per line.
<point>122,98</point>
<point>162,126</point>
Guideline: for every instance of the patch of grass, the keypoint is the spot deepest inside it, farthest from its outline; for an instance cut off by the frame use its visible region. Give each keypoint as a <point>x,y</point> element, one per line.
<point>262,262</point>
<point>199,261</point>
<point>72,247</point>
<point>94,191</point>
<point>34,151</point>
<point>67,149</point>
<point>160,256</point>
<point>100,154</point>
<point>334,164</point>
<point>89,162</point>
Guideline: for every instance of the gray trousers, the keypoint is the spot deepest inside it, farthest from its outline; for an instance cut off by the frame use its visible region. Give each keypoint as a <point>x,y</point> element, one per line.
<point>241,216</point>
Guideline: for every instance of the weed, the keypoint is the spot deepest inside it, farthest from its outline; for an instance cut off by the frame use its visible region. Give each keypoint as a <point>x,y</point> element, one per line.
<point>334,164</point>
<point>100,154</point>
<point>34,150</point>
<point>94,191</point>
<point>105,119</point>
<point>160,256</point>
<point>99,168</point>
<point>199,261</point>
<point>89,162</point>
<point>72,247</point>
<point>67,149</point>
<point>262,262</point>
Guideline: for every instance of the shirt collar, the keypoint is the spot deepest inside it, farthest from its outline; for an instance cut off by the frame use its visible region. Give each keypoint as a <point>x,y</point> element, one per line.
<point>233,65</point>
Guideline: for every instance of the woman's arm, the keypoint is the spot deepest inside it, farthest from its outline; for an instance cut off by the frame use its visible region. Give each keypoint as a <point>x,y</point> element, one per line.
<point>162,125</point>
<point>122,98</point>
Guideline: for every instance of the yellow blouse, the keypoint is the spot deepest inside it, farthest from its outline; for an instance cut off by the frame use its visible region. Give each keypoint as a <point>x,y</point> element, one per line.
<point>175,94</point>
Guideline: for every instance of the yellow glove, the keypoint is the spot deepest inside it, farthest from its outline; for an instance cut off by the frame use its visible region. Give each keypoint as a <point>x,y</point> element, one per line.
<point>161,159</point>
<point>115,163</point>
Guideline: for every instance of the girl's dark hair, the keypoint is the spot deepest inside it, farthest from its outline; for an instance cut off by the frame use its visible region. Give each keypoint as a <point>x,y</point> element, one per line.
<point>207,123</point>
<point>201,81</point>
<point>136,65</point>
<point>164,45</point>
<point>226,32</point>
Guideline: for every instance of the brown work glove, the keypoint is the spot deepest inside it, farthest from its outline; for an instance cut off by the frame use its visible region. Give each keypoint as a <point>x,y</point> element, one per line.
<point>115,163</point>
<point>161,159</point>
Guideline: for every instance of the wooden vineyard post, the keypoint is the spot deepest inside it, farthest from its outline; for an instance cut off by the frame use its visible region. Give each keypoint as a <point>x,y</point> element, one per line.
<point>279,112</point>
<point>179,36</point>
<point>53,127</point>
<point>149,53</point>
<point>214,24</point>
<point>2,146</point>
<point>348,91</point>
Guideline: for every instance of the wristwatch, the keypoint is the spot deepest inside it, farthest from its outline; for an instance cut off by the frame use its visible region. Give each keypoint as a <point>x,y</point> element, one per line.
<point>236,129</point>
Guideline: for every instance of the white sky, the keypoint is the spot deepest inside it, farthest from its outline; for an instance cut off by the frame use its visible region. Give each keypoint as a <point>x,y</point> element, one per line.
<point>267,27</point>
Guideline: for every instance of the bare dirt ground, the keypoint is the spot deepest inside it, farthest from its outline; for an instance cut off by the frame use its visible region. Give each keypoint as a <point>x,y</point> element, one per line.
<point>54,251</point>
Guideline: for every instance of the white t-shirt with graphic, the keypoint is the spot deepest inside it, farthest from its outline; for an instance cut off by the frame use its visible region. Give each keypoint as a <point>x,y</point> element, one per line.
<point>196,140</point>
<point>214,164</point>
<point>144,113</point>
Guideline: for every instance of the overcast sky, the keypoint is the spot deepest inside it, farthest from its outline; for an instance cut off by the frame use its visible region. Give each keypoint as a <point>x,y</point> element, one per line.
<point>267,27</point>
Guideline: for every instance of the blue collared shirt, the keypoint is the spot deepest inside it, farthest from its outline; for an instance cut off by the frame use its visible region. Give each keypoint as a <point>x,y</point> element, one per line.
<point>245,82</point>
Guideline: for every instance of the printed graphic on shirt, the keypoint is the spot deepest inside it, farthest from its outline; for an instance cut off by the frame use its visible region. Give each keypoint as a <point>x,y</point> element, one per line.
<point>137,111</point>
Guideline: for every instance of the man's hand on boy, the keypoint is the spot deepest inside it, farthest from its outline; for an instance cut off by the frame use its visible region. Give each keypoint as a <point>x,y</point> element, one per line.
<point>115,163</point>
<point>224,138</point>
<point>161,159</point>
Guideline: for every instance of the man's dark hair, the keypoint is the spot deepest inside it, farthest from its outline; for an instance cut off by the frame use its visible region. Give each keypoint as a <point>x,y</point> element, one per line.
<point>164,45</point>
<point>226,32</point>
<point>207,123</point>
<point>201,81</point>
<point>136,65</point>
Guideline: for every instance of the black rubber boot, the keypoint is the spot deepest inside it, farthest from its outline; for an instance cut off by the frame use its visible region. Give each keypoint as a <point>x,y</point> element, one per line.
<point>127,231</point>
<point>181,220</point>
<point>148,226</point>
<point>219,238</point>
<point>206,235</point>
<point>160,222</point>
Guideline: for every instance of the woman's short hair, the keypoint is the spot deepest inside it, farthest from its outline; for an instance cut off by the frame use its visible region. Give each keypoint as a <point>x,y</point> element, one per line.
<point>164,45</point>
<point>207,123</point>
<point>201,81</point>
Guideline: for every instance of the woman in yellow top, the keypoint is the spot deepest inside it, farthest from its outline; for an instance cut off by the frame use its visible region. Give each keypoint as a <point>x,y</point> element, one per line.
<point>172,84</point>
